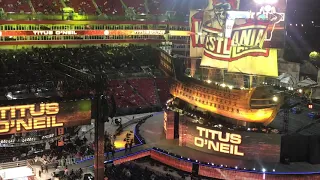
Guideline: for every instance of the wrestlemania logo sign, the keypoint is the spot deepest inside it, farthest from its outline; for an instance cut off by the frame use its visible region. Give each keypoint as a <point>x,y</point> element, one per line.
<point>228,35</point>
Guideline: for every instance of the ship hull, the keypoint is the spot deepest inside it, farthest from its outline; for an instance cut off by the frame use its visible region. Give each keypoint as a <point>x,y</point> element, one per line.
<point>233,103</point>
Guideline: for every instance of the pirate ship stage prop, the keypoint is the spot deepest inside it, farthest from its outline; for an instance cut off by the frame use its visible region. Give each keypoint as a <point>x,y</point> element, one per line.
<point>234,48</point>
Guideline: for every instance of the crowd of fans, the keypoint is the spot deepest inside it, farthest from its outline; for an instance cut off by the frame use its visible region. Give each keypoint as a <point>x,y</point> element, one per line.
<point>67,174</point>
<point>37,65</point>
<point>130,171</point>
<point>49,153</point>
<point>61,70</point>
<point>70,72</point>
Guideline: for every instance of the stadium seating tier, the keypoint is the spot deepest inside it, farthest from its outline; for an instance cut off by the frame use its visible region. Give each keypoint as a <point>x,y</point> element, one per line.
<point>16,6</point>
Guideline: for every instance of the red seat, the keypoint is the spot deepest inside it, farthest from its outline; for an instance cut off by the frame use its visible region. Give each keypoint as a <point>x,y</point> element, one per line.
<point>15,6</point>
<point>124,96</point>
<point>146,89</point>
<point>85,6</point>
<point>47,6</point>
<point>110,7</point>
<point>138,5</point>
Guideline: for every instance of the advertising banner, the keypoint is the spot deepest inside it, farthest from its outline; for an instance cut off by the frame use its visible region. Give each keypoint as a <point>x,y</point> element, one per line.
<point>41,116</point>
<point>91,33</point>
<point>243,31</point>
<point>235,144</point>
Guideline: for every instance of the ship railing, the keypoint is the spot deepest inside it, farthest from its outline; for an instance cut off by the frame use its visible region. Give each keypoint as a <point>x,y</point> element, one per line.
<point>263,103</point>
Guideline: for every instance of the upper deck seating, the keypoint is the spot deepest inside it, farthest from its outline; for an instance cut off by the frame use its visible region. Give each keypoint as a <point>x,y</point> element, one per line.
<point>82,6</point>
<point>124,95</point>
<point>146,89</point>
<point>110,7</point>
<point>138,5</point>
<point>16,6</point>
<point>47,6</point>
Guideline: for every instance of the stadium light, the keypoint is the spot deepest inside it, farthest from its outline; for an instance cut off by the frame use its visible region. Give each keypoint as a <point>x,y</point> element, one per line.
<point>275,98</point>
<point>264,170</point>
<point>300,90</point>
<point>265,1</point>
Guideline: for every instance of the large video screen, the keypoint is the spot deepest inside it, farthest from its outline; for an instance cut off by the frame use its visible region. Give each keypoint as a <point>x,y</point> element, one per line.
<point>41,116</point>
<point>235,144</point>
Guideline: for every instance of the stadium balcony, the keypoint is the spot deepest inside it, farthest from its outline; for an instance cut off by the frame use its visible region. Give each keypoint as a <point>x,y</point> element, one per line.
<point>82,6</point>
<point>47,6</point>
<point>146,88</point>
<point>163,85</point>
<point>110,7</point>
<point>16,6</point>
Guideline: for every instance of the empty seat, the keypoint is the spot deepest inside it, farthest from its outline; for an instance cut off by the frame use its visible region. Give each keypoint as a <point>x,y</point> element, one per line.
<point>15,6</point>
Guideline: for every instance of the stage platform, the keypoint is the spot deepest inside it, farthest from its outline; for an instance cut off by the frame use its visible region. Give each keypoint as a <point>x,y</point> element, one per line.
<point>152,131</point>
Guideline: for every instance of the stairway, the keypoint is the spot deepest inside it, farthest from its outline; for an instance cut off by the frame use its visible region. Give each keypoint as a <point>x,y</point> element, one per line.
<point>63,3</point>
<point>31,6</point>
<point>135,91</point>
<point>97,7</point>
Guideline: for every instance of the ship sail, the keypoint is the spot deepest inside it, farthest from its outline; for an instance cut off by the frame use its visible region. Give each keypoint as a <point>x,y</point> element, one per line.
<point>264,66</point>
<point>197,39</point>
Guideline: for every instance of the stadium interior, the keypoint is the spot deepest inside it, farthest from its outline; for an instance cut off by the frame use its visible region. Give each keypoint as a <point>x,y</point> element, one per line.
<point>149,94</point>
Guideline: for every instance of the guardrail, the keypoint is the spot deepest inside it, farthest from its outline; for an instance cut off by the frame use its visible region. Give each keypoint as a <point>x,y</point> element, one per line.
<point>13,164</point>
<point>212,170</point>
<point>137,120</point>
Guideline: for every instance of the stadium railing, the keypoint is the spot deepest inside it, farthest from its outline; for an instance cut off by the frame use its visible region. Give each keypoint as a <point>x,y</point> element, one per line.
<point>13,164</point>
